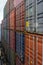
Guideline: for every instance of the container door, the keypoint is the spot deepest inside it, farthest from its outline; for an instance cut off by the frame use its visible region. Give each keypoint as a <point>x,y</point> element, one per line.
<point>39,16</point>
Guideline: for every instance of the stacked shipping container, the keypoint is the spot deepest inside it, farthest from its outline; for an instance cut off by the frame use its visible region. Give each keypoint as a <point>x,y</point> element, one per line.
<point>33,42</point>
<point>9,30</point>
<point>23,16</point>
<point>19,4</point>
<point>20,17</point>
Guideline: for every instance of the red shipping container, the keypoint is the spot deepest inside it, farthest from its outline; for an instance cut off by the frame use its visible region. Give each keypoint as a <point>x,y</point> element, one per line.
<point>20,16</point>
<point>12,40</point>
<point>39,49</point>
<point>30,49</point>
<point>13,19</point>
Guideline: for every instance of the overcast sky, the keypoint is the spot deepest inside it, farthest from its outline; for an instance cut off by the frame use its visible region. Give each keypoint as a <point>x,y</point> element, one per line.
<point>2,4</point>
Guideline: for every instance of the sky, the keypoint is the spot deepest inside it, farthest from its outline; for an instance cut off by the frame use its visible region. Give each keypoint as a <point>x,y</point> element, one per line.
<point>2,4</point>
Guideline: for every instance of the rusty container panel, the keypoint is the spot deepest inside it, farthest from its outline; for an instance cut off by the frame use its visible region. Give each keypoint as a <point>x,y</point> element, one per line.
<point>20,15</point>
<point>29,49</point>
<point>39,50</point>
<point>12,19</point>
<point>12,40</point>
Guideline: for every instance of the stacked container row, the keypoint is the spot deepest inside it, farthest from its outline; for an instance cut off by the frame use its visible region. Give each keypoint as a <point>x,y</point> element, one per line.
<point>9,30</point>
<point>21,16</point>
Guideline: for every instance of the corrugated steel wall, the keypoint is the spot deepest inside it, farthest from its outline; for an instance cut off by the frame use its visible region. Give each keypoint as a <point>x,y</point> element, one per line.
<point>22,29</point>
<point>20,15</point>
<point>30,45</point>
<point>20,45</point>
<point>12,19</point>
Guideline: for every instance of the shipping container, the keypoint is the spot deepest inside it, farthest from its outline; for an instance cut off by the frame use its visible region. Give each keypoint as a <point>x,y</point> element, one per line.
<point>30,15</point>
<point>12,40</point>
<point>39,50</point>
<point>9,6</point>
<point>30,49</point>
<point>39,16</point>
<point>20,45</point>
<point>12,20</point>
<point>20,16</point>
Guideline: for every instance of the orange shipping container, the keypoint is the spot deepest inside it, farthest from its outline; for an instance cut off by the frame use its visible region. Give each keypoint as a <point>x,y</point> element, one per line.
<point>33,49</point>
<point>30,49</point>
<point>39,50</point>
<point>13,19</point>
